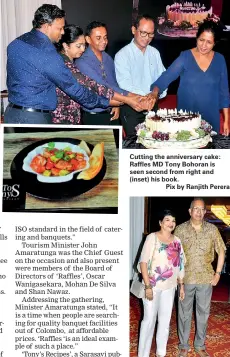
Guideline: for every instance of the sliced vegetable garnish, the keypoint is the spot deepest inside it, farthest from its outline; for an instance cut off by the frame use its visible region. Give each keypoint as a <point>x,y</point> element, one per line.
<point>59,154</point>
<point>51,145</point>
<point>56,162</point>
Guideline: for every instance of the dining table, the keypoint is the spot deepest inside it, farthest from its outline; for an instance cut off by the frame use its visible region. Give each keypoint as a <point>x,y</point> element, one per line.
<point>101,198</point>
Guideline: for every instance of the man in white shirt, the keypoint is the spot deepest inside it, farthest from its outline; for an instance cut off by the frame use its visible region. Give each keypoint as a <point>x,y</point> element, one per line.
<point>137,66</point>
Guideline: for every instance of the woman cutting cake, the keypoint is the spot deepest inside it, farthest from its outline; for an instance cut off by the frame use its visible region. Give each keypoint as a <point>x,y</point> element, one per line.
<point>72,45</point>
<point>203,78</point>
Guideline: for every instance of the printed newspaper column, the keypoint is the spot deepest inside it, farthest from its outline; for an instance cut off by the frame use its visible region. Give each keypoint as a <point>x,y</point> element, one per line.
<point>191,172</point>
<point>3,286</point>
<point>66,283</point>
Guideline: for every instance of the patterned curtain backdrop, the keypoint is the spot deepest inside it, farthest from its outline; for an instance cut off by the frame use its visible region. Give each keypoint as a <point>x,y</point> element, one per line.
<point>16,16</point>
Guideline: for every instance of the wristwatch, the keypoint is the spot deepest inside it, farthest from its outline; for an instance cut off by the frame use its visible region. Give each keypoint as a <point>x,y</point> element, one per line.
<point>218,272</point>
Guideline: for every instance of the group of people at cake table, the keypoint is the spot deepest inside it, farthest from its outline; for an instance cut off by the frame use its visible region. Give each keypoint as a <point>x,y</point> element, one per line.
<point>57,74</point>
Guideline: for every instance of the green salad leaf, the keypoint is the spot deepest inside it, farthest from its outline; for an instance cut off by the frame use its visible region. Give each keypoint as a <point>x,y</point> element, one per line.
<point>59,154</point>
<point>66,158</point>
<point>51,145</point>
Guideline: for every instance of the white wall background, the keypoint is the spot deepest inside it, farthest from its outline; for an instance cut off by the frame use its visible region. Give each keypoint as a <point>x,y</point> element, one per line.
<point>16,19</point>
<point>137,206</point>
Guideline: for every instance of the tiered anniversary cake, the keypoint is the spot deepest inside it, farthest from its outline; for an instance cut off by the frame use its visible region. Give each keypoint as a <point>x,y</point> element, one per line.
<point>187,11</point>
<point>172,128</point>
<point>181,19</point>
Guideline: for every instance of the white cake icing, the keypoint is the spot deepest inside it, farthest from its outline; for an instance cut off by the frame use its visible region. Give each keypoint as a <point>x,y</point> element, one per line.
<point>188,11</point>
<point>173,129</point>
<point>172,121</point>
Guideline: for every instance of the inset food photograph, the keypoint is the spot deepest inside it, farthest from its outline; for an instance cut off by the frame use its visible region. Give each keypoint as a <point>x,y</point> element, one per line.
<point>60,170</point>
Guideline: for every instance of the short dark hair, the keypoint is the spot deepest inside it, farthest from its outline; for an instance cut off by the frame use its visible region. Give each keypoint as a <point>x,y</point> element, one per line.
<point>166,212</point>
<point>136,22</point>
<point>72,32</point>
<point>46,14</point>
<point>210,26</point>
<point>93,25</point>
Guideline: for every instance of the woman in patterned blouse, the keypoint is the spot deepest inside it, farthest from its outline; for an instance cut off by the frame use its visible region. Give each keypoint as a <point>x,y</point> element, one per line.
<point>71,46</point>
<point>162,267</point>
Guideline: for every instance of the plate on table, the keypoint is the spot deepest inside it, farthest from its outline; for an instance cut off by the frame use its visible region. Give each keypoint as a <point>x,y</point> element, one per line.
<point>49,188</point>
<point>174,144</point>
<point>177,32</point>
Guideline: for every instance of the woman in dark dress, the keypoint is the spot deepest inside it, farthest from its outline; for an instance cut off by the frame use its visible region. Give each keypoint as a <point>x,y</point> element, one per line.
<point>203,78</point>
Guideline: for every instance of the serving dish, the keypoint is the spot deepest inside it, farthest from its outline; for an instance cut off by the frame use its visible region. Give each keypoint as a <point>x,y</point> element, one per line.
<point>52,190</point>
<point>62,147</point>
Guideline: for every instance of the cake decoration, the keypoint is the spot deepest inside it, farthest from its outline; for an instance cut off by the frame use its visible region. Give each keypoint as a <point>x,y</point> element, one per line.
<point>181,19</point>
<point>173,128</point>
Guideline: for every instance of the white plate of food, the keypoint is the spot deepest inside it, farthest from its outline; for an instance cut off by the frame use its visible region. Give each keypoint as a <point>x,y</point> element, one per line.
<point>56,162</point>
